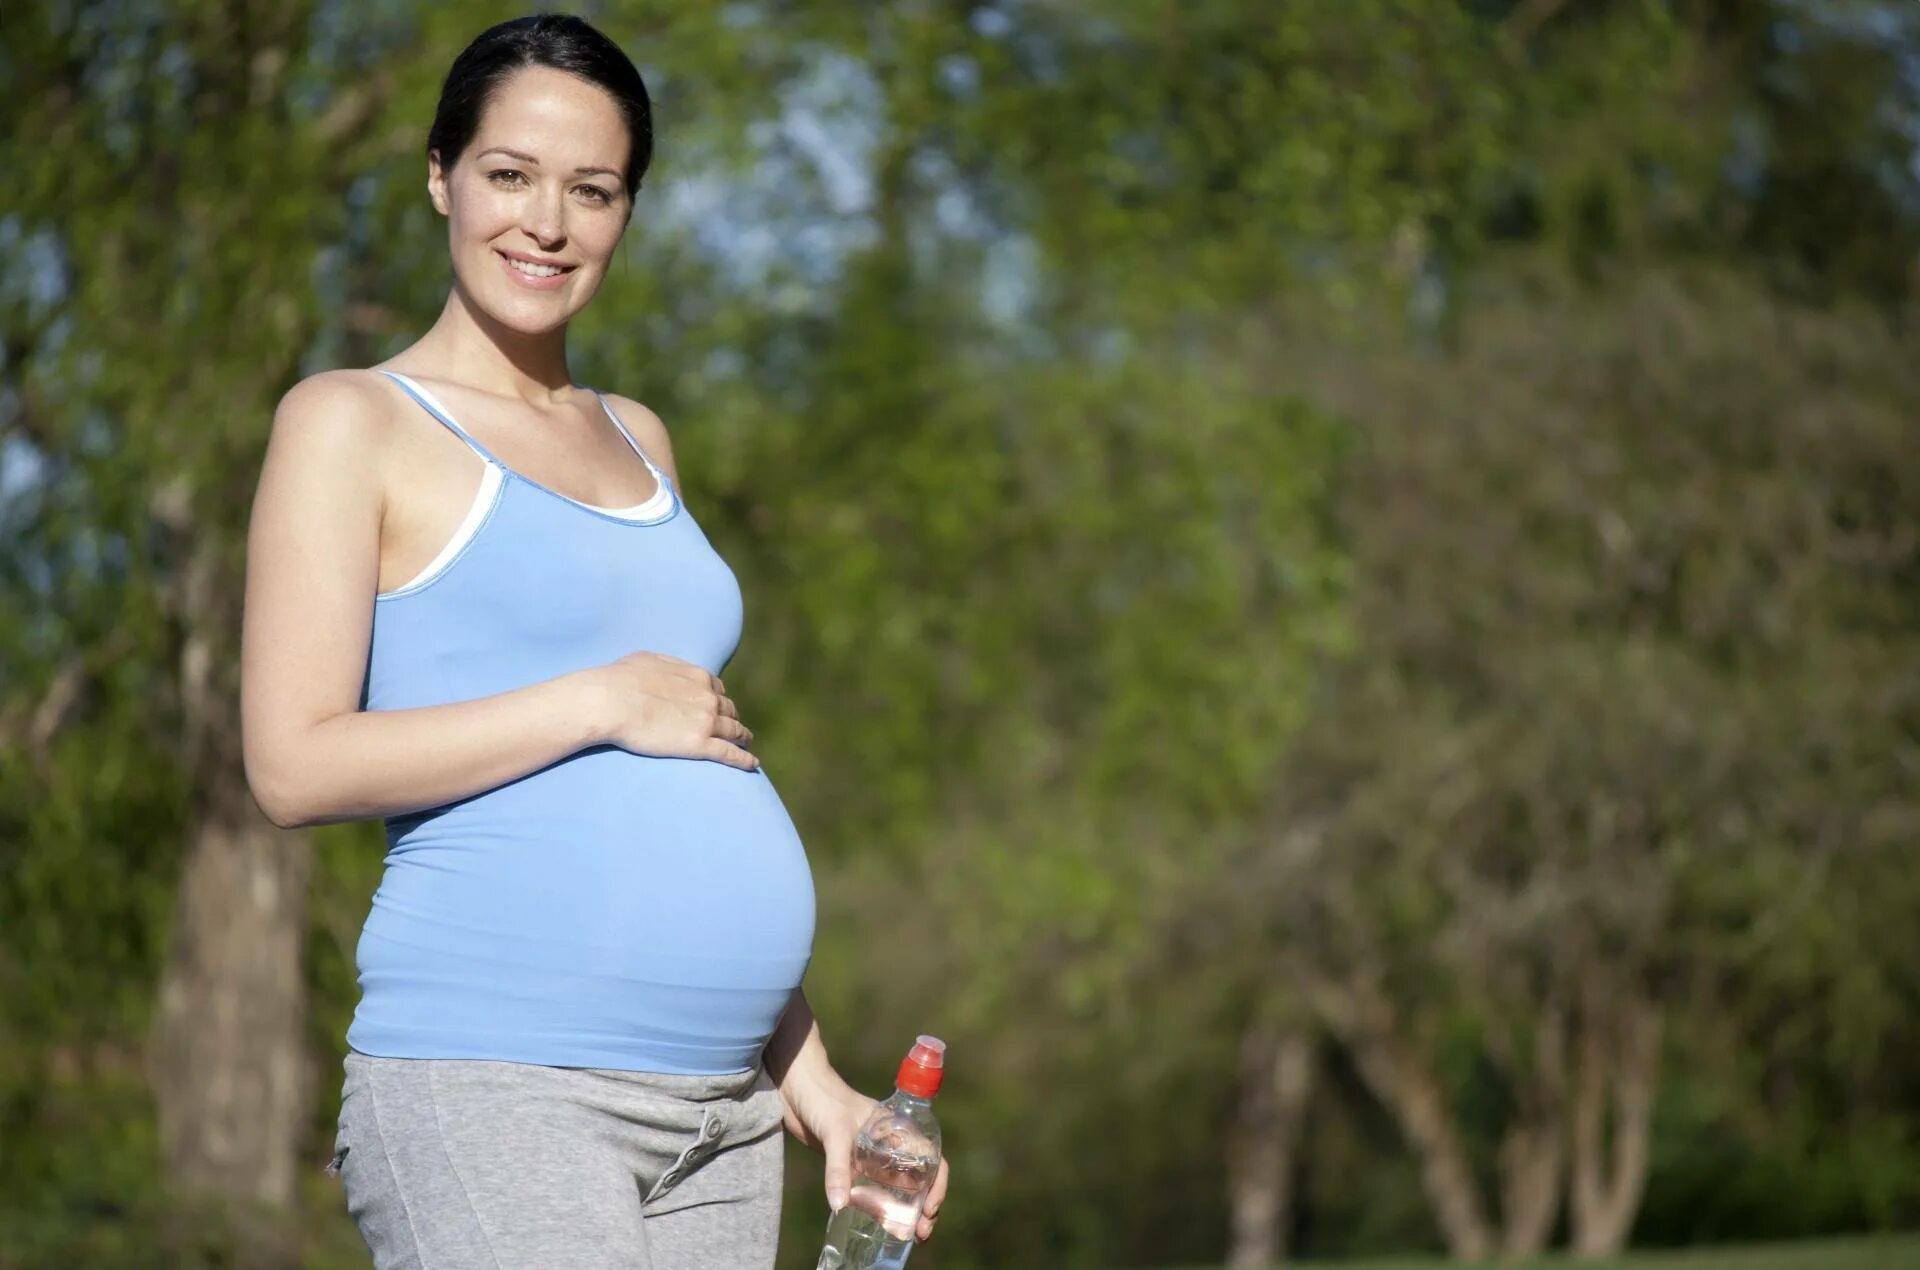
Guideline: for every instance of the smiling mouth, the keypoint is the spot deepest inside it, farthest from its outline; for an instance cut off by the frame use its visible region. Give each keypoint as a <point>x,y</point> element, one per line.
<point>536,271</point>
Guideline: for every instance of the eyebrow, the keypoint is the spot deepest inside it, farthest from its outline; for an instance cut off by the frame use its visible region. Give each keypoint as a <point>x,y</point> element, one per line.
<point>527,158</point>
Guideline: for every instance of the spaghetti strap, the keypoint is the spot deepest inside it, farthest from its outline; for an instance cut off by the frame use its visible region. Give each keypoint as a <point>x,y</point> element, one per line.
<point>438,411</point>
<point>653,467</point>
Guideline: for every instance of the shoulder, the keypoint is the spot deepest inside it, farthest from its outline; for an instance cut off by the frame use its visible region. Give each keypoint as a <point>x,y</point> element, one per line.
<point>647,429</point>
<point>334,408</point>
<point>330,428</point>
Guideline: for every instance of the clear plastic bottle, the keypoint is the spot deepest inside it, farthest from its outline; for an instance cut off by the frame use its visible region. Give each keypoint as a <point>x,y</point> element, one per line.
<point>895,1157</point>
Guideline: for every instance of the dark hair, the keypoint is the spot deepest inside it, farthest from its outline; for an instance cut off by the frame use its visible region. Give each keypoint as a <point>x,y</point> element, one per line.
<point>558,40</point>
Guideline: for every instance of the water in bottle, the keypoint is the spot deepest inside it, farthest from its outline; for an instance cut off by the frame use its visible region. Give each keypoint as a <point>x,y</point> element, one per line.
<point>895,1157</point>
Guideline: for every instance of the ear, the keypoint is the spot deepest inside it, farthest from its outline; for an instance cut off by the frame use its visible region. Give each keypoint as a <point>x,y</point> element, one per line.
<point>436,182</point>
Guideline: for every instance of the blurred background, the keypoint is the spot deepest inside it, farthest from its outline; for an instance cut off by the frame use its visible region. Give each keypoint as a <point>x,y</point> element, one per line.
<point>1334,587</point>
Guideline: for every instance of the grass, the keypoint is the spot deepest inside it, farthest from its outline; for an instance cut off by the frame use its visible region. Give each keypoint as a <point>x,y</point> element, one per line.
<point>1876,1252</point>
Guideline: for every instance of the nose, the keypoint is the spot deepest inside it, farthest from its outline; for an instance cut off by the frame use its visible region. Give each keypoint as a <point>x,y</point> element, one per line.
<point>544,218</point>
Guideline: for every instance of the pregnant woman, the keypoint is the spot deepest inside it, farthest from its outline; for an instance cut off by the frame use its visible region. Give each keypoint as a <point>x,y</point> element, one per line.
<point>478,608</point>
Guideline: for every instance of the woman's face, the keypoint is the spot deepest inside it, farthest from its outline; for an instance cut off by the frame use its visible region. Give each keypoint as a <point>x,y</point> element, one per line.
<point>544,179</point>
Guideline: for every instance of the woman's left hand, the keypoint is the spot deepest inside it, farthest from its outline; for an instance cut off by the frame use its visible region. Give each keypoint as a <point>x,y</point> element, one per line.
<point>825,1113</point>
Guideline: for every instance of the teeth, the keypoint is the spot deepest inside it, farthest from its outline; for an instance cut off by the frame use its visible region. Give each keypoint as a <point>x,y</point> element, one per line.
<point>537,271</point>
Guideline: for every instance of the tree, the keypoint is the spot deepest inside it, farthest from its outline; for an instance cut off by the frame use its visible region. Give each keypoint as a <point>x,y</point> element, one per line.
<point>1593,570</point>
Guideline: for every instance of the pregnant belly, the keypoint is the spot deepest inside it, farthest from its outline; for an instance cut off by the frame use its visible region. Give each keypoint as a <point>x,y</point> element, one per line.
<point>607,862</point>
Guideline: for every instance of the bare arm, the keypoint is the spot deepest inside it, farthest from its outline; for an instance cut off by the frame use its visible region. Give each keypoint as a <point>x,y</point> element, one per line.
<point>312,755</point>
<point>795,1049</point>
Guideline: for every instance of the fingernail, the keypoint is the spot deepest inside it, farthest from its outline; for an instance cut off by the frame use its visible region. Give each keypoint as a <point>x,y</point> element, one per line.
<point>836,1199</point>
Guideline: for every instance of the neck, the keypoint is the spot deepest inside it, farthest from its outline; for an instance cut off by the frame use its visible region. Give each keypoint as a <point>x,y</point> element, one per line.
<point>479,350</point>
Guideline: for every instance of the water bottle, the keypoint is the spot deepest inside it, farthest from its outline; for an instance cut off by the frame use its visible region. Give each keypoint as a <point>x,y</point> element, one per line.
<point>895,1157</point>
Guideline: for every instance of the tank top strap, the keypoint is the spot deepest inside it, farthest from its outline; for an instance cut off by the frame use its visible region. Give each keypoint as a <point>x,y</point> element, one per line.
<point>653,467</point>
<point>433,407</point>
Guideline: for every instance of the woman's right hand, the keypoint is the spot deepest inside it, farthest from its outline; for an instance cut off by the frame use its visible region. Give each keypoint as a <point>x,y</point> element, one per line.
<point>658,704</point>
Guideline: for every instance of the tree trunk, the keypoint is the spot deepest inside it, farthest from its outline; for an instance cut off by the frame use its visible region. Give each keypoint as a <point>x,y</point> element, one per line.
<point>227,1054</point>
<point>1616,1073</point>
<point>1365,1023</point>
<point>1530,1173</point>
<point>1276,1079</point>
<point>228,1060</point>
<point>1533,1149</point>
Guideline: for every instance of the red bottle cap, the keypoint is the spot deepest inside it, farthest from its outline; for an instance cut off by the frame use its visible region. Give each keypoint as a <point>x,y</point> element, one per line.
<point>921,1070</point>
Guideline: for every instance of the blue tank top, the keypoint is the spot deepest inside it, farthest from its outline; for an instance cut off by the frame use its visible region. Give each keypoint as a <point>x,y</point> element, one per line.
<point>611,909</point>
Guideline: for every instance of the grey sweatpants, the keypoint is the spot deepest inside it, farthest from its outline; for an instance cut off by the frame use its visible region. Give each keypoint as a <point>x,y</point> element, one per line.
<point>473,1164</point>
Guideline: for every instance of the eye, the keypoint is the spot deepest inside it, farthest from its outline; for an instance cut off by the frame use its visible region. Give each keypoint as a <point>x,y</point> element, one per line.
<point>511,176</point>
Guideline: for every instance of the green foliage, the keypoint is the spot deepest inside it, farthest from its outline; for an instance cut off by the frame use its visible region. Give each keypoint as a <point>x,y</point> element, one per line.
<point>1634,688</point>
<point>1884,1253</point>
